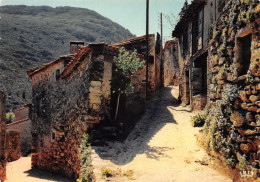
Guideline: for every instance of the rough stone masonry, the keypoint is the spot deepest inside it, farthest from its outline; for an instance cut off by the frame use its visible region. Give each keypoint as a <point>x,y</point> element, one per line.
<point>2,137</point>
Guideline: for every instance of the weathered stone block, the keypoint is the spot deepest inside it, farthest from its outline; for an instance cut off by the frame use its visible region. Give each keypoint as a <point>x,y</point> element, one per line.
<point>94,99</point>
<point>254,98</point>
<point>237,119</point>
<point>246,148</point>
<point>221,82</point>
<point>252,109</point>
<point>95,90</point>
<point>258,86</point>
<point>243,96</point>
<point>95,83</point>
<point>247,132</point>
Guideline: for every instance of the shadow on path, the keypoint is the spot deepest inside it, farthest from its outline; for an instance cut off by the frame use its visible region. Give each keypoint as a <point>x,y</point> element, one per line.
<point>45,175</point>
<point>157,115</point>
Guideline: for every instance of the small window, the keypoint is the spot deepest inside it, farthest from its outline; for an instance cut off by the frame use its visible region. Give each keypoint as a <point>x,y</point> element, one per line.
<point>151,59</point>
<point>245,45</point>
<point>57,74</point>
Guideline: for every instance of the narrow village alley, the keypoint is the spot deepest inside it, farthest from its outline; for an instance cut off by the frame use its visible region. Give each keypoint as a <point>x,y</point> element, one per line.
<point>161,148</point>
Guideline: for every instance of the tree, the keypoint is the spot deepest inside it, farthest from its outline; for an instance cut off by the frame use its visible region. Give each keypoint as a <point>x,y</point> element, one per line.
<point>184,8</point>
<point>127,63</point>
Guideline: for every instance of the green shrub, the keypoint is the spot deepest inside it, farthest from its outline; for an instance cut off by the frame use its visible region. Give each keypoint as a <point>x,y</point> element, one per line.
<point>129,174</point>
<point>108,173</point>
<point>9,117</point>
<point>198,120</point>
<point>243,163</point>
<point>86,170</point>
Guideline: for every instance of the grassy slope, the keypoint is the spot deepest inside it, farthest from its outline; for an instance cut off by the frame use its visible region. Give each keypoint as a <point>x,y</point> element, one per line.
<point>31,36</point>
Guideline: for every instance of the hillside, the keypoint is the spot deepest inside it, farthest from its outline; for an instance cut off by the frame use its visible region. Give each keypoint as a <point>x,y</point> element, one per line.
<point>31,36</point>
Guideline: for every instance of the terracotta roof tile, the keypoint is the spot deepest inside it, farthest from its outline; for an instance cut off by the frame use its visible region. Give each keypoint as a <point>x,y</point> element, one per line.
<point>75,61</point>
<point>132,40</point>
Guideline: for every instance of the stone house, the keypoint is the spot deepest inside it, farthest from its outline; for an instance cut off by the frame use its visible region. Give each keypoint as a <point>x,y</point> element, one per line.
<point>229,59</point>
<point>139,43</point>
<point>22,124</point>
<point>3,160</point>
<point>135,103</point>
<point>170,63</point>
<point>193,31</point>
<point>234,85</point>
<point>71,95</point>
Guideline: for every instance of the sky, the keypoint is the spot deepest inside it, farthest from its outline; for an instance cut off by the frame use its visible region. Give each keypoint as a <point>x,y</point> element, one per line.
<point>131,14</point>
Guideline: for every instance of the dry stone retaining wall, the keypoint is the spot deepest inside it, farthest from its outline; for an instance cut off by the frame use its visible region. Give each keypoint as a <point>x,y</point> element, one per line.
<point>234,88</point>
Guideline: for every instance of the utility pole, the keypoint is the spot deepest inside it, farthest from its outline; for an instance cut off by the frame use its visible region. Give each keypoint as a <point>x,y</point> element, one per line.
<point>147,48</point>
<point>161,67</point>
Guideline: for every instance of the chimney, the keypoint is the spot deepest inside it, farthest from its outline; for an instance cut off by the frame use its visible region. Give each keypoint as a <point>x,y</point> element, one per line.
<point>75,46</point>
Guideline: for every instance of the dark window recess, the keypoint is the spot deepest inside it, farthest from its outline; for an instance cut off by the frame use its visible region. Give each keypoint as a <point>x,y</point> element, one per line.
<point>151,59</point>
<point>199,78</point>
<point>58,74</point>
<point>53,136</point>
<point>245,43</point>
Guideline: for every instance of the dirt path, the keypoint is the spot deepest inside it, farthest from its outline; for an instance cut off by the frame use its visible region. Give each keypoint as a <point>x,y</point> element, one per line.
<point>20,171</point>
<point>161,148</point>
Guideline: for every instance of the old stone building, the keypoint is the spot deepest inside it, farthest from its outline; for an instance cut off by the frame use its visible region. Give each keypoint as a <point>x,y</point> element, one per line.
<point>72,95</point>
<point>233,72</point>
<point>224,70</point>
<point>193,31</point>
<point>139,43</point>
<point>22,124</point>
<point>170,63</point>
<point>2,137</point>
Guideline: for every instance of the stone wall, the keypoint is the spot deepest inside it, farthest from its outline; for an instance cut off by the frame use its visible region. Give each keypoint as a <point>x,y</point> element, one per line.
<point>154,69</point>
<point>72,95</point>
<point>21,113</point>
<point>234,70</point>
<point>13,143</point>
<point>2,137</point>
<point>76,100</point>
<point>22,123</point>
<point>24,128</point>
<point>170,63</point>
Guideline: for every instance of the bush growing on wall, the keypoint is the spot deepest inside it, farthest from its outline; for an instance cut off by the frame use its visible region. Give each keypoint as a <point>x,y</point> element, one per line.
<point>218,126</point>
<point>86,170</point>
